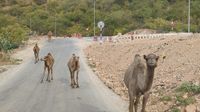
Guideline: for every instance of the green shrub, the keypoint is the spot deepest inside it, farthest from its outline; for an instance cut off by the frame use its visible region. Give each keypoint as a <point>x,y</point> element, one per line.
<point>158,24</point>
<point>12,36</point>
<point>184,101</point>
<point>175,110</point>
<point>189,87</point>
<point>166,98</point>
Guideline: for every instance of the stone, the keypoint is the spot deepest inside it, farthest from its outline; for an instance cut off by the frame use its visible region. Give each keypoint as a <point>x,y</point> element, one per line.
<point>97,63</point>
<point>190,108</point>
<point>185,96</point>
<point>198,109</point>
<point>90,59</point>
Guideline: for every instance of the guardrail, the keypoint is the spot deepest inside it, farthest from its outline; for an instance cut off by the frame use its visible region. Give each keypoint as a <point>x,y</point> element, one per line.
<point>150,36</point>
<point>118,38</point>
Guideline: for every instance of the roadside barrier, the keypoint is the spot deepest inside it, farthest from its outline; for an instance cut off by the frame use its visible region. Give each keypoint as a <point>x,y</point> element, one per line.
<point>148,36</point>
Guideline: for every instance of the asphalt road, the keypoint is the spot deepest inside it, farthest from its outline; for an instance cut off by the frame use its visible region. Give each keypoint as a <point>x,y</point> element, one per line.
<point>23,92</point>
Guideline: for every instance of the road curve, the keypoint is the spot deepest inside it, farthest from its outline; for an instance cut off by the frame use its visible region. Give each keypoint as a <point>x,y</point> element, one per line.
<point>23,92</point>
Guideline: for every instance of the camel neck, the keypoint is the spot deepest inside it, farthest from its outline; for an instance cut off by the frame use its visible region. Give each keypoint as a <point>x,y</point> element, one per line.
<point>149,78</point>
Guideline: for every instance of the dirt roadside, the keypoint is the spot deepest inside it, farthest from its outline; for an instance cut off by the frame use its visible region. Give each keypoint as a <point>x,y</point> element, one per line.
<point>110,60</point>
<point>20,55</point>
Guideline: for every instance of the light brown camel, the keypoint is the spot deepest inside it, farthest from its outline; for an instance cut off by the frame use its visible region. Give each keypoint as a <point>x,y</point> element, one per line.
<point>139,79</point>
<point>74,66</point>
<point>49,35</point>
<point>36,51</point>
<point>48,64</point>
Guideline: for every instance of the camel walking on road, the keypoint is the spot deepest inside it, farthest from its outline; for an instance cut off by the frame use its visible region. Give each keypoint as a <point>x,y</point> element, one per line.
<point>36,51</point>
<point>48,64</point>
<point>74,66</point>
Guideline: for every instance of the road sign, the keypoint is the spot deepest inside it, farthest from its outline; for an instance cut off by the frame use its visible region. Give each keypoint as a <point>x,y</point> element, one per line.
<point>101,24</point>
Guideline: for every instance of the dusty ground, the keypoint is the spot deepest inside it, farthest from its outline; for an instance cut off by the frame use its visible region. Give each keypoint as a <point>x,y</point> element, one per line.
<point>182,64</point>
<point>19,55</point>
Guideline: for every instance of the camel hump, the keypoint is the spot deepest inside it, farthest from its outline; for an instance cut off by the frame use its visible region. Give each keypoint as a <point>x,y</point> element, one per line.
<point>138,62</point>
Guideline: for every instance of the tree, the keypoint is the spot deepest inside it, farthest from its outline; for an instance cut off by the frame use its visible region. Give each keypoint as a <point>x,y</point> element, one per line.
<point>40,2</point>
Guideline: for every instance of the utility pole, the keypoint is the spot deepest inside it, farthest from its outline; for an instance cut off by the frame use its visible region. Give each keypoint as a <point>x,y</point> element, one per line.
<point>55,23</point>
<point>30,24</point>
<point>30,21</point>
<point>94,16</point>
<point>188,16</point>
<point>55,27</point>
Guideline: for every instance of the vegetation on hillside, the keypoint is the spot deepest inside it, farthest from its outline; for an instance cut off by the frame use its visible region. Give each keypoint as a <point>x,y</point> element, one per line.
<point>19,17</point>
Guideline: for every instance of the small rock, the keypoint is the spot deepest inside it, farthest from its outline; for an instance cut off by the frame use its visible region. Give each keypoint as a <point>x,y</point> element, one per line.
<point>198,109</point>
<point>97,63</point>
<point>190,108</point>
<point>197,83</point>
<point>185,96</point>
<point>2,70</point>
<point>94,69</point>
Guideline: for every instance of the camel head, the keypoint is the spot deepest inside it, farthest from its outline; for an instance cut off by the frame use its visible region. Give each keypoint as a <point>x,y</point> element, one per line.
<point>77,58</point>
<point>49,54</point>
<point>73,56</point>
<point>151,60</point>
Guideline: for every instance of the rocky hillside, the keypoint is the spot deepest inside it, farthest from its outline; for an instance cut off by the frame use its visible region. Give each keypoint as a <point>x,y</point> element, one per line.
<point>177,78</point>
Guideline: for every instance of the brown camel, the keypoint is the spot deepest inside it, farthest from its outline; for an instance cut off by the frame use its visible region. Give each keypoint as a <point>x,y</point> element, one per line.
<point>49,35</point>
<point>36,50</point>
<point>74,66</point>
<point>48,64</point>
<point>139,79</point>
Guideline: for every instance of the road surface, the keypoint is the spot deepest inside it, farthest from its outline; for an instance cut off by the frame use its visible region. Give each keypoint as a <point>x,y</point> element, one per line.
<point>23,92</point>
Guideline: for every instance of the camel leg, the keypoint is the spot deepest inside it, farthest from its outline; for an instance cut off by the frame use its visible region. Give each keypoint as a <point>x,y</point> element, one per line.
<point>136,102</point>
<point>51,73</point>
<point>48,77</point>
<point>77,79</point>
<point>131,101</point>
<point>73,80</point>
<point>35,58</point>
<point>145,99</point>
<point>70,75</point>
<point>43,74</point>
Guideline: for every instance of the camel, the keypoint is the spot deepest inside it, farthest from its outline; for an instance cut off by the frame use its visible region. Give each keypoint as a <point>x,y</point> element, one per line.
<point>36,50</point>
<point>48,64</point>
<point>49,35</point>
<point>139,79</point>
<point>74,66</point>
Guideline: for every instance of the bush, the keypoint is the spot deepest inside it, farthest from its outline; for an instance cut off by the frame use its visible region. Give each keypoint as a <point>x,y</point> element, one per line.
<point>175,110</point>
<point>158,24</point>
<point>166,98</point>
<point>12,36</point>
<point>184,101</point>
<point>189,87</point>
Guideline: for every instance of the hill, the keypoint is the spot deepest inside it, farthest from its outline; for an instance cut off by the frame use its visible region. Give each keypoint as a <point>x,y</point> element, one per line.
<point>123,16</point>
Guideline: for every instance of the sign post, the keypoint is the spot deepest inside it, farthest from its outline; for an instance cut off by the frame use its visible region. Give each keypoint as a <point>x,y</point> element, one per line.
<point>101,26</point>
<point>172,25</point>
